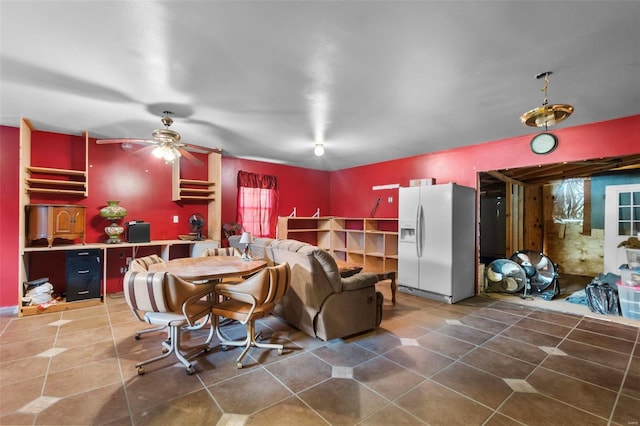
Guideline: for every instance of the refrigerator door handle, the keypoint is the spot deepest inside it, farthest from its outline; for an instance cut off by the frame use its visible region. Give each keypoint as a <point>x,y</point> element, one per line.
<point>419,220</point>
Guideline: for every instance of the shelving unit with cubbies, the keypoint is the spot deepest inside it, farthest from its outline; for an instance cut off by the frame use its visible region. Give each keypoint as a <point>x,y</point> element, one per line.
<point>312,230</point>
<point>381,244</point>
<point>207,190</point>
<point>371,243</point>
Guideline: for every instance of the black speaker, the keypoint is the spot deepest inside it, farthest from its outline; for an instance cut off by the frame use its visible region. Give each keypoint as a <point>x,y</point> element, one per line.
<point>138,232</point>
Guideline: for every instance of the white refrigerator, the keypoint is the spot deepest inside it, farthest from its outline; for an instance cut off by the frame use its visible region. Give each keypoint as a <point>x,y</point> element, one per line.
<point>436,241</point>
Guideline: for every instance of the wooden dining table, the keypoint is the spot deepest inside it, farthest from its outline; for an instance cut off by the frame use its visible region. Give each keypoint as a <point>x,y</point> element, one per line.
<point>209,267</point>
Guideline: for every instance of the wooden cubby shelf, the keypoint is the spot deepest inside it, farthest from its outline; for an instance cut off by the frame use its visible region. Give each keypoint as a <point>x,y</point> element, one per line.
<point>39,180</point>
<point>201,190</point>
<point>372,243</point>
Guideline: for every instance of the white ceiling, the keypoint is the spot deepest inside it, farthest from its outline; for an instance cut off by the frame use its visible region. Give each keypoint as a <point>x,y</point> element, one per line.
<point>377,80</point>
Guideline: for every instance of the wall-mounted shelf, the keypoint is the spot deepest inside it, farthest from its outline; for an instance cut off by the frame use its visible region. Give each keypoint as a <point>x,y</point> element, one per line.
<point>193,189</point>
<point>59,221</point>
<point>48,180</point>
<point>202,190</point>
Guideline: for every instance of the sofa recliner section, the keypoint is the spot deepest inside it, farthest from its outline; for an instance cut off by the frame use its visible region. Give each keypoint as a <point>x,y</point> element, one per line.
<point>319,301</point>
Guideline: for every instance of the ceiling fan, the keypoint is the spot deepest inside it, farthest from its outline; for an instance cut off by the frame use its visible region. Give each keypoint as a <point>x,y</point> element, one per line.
<point>166,143</point>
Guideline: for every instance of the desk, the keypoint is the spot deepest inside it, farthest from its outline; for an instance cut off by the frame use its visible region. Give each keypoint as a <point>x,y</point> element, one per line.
<point>209,267</point>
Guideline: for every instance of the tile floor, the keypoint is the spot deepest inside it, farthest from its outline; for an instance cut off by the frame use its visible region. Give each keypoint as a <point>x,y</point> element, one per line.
<point>484,361</point>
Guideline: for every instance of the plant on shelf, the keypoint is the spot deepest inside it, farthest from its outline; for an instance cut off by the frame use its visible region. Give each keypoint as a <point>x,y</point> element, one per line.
<point>631,242</point>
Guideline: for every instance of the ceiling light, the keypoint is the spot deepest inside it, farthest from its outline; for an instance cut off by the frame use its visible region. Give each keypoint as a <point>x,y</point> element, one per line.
<point>546,115</point>
<point>167,152</point>
<point>319,149</point>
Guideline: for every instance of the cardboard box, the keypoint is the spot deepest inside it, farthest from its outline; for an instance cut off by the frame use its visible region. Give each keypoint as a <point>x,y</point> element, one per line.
<point>422,182</point>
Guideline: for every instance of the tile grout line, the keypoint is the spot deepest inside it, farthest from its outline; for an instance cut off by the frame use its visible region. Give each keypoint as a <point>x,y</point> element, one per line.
<point>624,377</point>
<point>539,366</point>
<point>122,379</point>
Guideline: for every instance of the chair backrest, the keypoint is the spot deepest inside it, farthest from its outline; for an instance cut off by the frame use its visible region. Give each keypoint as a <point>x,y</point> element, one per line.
<point>266,287</point>
<point>141,264</point>
<point>275,281</point>
<point>145,291</point>
<point>221,251</point>
<point>279,280</point>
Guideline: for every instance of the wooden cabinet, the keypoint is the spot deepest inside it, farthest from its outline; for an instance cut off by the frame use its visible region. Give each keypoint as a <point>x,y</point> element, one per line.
<point>371,243</point>
<point>51,222</point>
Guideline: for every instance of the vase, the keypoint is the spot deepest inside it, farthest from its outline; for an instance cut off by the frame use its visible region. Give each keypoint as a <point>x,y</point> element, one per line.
<point>113,211</point>
<point>114,231</point>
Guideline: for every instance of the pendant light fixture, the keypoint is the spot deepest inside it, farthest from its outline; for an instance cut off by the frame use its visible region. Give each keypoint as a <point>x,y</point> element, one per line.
<point>546,115</point>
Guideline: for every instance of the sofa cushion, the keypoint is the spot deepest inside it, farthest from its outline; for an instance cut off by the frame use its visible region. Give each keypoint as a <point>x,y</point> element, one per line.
<point>358,281</point>
<point>329,266</point>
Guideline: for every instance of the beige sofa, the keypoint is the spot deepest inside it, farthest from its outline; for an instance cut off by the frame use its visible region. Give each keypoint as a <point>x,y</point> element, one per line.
<point>319,301</point>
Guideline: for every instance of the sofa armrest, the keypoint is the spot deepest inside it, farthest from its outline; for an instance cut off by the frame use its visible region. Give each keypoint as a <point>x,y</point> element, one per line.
<point>358,281</point>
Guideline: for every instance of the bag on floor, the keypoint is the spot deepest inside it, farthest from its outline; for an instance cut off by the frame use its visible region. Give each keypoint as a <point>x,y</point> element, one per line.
<point>602,297</point>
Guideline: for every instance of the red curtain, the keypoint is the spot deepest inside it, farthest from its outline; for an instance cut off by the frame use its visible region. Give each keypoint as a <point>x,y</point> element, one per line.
<point>258,203</point>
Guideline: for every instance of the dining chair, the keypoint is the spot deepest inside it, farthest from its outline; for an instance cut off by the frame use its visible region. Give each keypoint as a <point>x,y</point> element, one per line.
<point>172,302</point>
<point>141,264</point>
<point>221,251</point>
<point>248,301</point>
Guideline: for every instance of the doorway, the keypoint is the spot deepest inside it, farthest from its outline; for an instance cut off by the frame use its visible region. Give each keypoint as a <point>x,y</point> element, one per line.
<point>622,220</point>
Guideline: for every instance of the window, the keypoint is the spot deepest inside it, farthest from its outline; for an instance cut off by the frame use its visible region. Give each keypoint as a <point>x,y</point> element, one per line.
<point>568,201</point>
<point>628,213</point>
<point>258,203</point>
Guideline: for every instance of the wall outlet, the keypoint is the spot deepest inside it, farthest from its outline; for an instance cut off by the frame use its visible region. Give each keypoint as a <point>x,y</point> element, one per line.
<point>175,219</point>
<point>390,200</point>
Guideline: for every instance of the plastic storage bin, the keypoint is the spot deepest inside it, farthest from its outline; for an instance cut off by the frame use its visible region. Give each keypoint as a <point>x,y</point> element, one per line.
<point>630,276</point>
<point>633,257</point>
<point>629,301</point>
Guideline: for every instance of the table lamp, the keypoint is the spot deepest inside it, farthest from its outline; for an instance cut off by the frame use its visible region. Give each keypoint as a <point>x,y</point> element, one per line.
<point>247,239</point>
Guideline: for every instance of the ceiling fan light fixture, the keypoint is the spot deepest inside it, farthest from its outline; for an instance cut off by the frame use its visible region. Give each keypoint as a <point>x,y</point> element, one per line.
<point>546,115</point>
<point>166,152</point>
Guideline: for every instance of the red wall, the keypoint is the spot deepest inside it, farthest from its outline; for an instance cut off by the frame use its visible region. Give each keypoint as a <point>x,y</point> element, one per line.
<point>306,190</point>
<point>9,246</point>
<point>143,183</point>
<point>351,189</point>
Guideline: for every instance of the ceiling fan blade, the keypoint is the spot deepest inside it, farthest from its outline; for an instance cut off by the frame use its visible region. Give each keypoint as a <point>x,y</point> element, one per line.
<point>189,156</point>
<point>146,150</point>
<point>125,140</point>
<point>199,149</point>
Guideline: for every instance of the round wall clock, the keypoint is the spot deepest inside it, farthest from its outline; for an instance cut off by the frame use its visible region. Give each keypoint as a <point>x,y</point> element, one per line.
<point>544,143</point>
